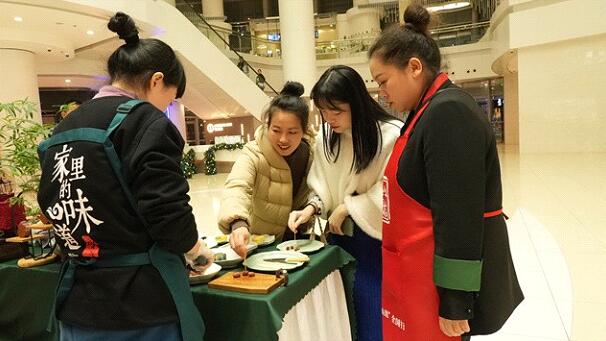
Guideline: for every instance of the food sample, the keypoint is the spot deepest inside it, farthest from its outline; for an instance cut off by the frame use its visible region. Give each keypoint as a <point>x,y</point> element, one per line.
<point>258,238</point>
<point>221,239</point>
<point>219,256</point>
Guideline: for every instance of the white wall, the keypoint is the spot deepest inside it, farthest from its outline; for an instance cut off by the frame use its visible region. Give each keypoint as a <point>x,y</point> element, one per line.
<point>560,65</point>
<point>512,106</point>
<point>468,62</point>
<point>539,22</point>
<point>562,105</point>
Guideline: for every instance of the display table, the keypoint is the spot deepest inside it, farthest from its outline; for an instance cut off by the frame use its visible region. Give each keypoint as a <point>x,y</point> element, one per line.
<point>314,293</point>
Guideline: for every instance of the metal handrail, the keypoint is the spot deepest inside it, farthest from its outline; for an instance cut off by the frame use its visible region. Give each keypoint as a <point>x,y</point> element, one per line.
<point>379,4</point>
<point>459,27</point>
<point>240,57</point>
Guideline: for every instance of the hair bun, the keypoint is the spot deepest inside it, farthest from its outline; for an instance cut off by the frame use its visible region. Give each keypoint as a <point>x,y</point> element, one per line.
<point>125,26</point>
<point>293,89</point>
<point>417,18</point>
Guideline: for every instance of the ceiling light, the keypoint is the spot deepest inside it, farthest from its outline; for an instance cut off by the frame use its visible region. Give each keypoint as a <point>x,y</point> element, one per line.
<point>90,32</point>
<point>18,19</point>
<point>68,81</point>
<point>449,6</point>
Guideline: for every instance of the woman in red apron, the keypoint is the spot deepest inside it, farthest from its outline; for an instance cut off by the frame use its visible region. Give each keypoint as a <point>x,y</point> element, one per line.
<point>447,268</point>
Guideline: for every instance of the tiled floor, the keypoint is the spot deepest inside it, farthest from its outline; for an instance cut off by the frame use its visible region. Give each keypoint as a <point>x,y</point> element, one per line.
<point>556,203</point>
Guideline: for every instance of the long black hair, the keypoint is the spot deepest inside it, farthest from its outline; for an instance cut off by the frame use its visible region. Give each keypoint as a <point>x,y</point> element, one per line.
<point>138,59</point>
<point>342,84</point>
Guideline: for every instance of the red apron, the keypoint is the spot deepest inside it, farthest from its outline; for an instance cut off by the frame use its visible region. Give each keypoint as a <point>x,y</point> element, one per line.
<point>410,300</point>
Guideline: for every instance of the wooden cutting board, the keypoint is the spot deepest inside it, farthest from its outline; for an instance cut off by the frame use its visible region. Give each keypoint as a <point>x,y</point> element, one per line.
<point>29,262</point>
<point>259,284</point>
<point>25,239</point>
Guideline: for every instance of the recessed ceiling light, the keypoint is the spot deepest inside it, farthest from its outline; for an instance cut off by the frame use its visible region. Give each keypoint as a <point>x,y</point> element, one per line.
<point>18,19</point>
<point>90,32</point>
<point>68,81</point>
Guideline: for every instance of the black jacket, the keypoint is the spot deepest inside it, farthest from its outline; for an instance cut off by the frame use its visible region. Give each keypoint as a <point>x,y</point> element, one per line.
<point>150,149</point>
<point>451,166</point>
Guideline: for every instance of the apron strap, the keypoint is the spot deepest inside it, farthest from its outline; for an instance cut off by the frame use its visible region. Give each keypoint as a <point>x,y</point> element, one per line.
<point>64,286</point>
<point>171,269</point>
<point>495,213</point>
<point>175,276</point>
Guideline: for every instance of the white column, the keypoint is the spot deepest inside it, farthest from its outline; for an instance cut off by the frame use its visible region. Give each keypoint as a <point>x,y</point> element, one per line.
<point>298,42</point>
<point>176,114</point>
<point>342,26</point>
<point>363,22</point>
<point>265,8</point>
<point>213,12</point>
<point>21,81</point>
<point>213,9</point>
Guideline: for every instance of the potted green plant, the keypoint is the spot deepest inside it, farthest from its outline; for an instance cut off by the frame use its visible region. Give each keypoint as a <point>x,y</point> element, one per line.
<point>20,135</point>
<point>66,109</point>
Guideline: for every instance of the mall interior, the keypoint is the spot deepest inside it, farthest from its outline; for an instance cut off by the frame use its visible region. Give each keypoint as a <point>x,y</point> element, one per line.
<point>533,66</point>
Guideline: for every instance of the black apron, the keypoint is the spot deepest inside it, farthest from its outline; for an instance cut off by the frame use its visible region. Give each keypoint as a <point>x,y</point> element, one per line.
<point>169,265</point>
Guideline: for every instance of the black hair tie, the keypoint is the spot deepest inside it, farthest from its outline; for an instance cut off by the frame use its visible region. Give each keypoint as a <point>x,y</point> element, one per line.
<point>131,39</point>
<point>411,26</point>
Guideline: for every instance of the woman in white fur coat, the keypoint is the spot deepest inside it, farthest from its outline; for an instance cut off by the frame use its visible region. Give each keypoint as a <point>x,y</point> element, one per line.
<point>346,177</point>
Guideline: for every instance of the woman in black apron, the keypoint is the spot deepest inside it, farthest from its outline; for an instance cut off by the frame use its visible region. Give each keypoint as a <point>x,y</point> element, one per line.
<point>112,186</point>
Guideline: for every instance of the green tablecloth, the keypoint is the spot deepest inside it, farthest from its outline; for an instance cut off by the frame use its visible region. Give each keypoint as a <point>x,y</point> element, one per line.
<point>26,296</point>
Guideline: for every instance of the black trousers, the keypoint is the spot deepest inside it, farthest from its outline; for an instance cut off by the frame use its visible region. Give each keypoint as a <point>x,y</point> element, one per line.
<point>465,337</point>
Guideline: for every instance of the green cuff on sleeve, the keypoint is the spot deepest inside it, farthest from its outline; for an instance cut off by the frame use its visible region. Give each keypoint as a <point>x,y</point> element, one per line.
<point>457,274</point>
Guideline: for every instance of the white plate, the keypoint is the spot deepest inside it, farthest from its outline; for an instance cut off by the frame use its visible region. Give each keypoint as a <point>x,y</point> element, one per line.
<point>210,241</point>
<point>207,275</point>
<point>262,239</point>
<point>257,262</point>
<point>231,257</point>
<point>305,245</point>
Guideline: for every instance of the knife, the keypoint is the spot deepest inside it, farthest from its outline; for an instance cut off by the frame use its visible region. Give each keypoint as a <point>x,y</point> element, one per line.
<point>287,260</point>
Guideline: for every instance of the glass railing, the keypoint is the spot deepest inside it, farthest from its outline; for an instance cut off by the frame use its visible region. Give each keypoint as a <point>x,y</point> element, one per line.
<point>225,40</point>
<point>343,48</point>
<point>239,41</point>
<point>444,36</point>
<point>460,34</point>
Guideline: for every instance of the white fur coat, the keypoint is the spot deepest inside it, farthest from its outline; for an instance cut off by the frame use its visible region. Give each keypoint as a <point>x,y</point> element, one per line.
<point>335,183</point>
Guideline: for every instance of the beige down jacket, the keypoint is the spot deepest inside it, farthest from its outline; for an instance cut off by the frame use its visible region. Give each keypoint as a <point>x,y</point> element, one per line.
<point>259,188</point>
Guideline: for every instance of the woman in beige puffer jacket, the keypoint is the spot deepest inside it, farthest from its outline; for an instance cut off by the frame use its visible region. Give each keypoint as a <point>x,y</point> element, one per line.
<point>258,195</point>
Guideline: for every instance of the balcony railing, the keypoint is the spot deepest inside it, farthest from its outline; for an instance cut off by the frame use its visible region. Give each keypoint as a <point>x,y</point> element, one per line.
<point>239,41</point>
<point>459,34</point>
